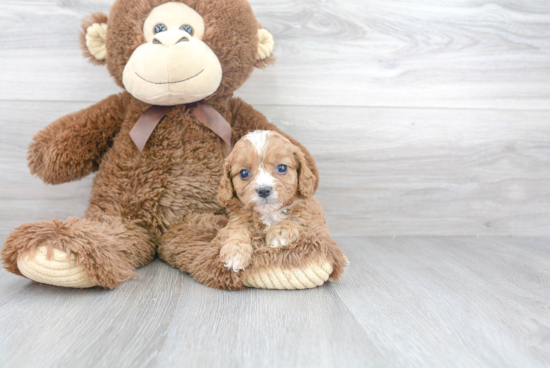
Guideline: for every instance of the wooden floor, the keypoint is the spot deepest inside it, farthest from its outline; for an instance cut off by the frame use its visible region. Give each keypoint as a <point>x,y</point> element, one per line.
<point>404,302</point>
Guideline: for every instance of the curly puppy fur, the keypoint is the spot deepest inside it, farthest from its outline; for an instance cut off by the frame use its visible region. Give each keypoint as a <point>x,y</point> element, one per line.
<point>163,199</point>
<point>283,228</point>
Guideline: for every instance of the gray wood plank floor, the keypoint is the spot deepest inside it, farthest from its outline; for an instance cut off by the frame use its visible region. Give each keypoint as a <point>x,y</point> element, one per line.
<point>404,302</point>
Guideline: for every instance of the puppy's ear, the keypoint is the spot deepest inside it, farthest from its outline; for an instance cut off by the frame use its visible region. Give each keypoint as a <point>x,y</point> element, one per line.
<point>306,179</point>
<point>225,191</point>
<point>93,36</point>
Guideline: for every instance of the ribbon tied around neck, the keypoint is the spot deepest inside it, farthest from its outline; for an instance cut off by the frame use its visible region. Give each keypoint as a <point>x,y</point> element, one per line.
<point>206,114</point>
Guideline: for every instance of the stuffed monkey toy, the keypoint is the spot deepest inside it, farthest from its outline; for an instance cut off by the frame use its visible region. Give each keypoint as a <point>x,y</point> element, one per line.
<point>158,150</point>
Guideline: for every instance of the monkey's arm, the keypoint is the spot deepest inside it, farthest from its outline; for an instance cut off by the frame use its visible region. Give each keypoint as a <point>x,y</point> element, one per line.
<point>72,146</point>
<point>247,119</point>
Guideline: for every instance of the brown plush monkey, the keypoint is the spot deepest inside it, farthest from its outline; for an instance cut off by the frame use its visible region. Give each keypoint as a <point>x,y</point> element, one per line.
<point>162,199</point>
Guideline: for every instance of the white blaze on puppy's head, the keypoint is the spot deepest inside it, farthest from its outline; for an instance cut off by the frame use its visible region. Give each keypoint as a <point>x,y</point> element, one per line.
<point>263,178</point>
<point>264,182</point>
<point>258,139</point>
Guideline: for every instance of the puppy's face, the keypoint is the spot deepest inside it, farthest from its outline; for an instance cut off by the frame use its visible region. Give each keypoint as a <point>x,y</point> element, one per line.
<point>265,172</point>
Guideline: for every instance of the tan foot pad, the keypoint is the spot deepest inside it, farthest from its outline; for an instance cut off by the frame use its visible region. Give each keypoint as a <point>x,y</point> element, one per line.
<point>57,270</point>
<point>308,277</point>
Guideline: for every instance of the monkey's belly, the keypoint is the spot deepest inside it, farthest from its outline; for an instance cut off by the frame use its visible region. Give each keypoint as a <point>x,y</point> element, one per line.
<point>158,197</point>
<point>184,195</point>
<point>177,174</point>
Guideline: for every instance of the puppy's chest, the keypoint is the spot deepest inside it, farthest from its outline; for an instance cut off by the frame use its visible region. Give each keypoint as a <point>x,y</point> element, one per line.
<point>269,220</point>
<point>263,223</point>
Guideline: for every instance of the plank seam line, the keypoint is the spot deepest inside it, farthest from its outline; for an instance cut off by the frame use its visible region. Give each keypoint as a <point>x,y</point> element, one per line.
<point>321,106</point>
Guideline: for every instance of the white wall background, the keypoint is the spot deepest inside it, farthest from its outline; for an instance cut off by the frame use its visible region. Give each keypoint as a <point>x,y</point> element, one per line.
<point>425,117</point>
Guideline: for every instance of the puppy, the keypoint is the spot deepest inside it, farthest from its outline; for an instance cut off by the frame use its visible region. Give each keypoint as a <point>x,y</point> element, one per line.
<point>267,189</point>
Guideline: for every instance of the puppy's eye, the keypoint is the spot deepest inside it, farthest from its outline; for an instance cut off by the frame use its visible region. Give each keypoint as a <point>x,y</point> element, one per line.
<point>187,28</point>
<point>244,174</point>
<point>282,169</point>
<point>160,28</point>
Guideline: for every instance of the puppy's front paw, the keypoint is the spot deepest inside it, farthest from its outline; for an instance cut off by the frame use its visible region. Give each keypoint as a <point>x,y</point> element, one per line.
<point>281,236</point>
<point>234,257</point>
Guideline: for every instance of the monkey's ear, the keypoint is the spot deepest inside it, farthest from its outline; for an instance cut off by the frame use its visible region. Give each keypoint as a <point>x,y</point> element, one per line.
<point>225,191</point>
<point>265,49</point>
<point>92,38</point>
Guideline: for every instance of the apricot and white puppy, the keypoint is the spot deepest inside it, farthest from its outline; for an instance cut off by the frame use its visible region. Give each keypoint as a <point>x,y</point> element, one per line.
<point>267,189</point>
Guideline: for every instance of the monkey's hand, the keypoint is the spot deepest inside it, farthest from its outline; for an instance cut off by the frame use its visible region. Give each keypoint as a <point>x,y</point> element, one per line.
<point>72,146</point>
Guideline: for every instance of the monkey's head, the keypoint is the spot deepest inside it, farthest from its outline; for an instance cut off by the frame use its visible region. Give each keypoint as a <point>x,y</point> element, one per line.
<point>178,52</point>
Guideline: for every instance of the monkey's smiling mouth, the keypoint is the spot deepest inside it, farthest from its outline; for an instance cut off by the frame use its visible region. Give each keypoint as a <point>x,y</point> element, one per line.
<point>183,80</point>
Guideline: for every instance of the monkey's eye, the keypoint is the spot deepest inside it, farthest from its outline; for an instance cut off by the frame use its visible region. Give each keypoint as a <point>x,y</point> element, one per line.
<point>160,28</point>
<point>244,174</point>
<point>187,28</point>
<point>282,169</point>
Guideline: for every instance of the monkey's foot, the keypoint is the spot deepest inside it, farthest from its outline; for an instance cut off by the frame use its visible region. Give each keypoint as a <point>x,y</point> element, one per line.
<point>58,269</point>
<point>308,277</point>
<point>70,253</point>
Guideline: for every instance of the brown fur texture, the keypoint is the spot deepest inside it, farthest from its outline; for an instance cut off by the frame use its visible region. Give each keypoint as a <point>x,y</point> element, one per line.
<point>164,199</point>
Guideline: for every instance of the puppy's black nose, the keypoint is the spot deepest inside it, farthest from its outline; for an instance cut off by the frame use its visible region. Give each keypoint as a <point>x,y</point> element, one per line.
<point>264,192</point>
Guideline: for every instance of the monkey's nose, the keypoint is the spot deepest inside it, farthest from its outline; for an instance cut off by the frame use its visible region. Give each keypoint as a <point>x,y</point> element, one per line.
<point>264,192</point>
<point>170,38</point>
